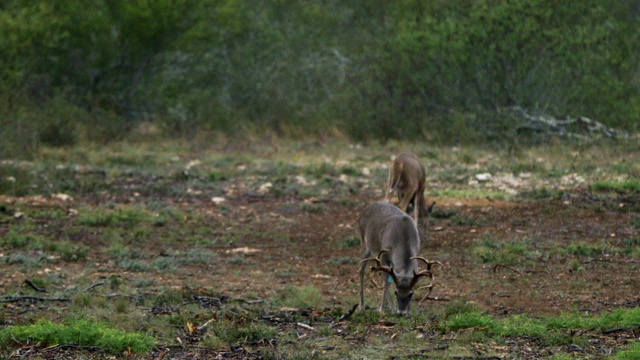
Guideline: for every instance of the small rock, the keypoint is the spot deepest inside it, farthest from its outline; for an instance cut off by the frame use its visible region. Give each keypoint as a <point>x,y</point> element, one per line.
<point>265,188</point>
<point>63,197</point>
<point>218,200</point>
<point>192,163</point>
<point>483,177</point>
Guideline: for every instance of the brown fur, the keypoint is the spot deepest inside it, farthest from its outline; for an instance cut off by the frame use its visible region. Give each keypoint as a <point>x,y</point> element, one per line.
<point>407,179</point>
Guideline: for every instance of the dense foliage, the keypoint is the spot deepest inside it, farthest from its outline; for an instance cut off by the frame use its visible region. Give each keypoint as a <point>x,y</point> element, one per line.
<point>373,70</point>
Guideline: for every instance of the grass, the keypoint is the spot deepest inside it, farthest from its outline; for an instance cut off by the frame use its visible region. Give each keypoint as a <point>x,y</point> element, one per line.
<point>631,185</point>
<point>78,332</point>
<point>104,217</point>
<point>496,251</point>
<point>302,297</point>
<point>630,353</point>
<point>23,237</point>
<point>548,329</point>
<point>155,245</point>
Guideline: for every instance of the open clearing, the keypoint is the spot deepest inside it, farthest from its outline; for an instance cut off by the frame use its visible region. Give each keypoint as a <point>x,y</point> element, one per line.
<point>189,245</point>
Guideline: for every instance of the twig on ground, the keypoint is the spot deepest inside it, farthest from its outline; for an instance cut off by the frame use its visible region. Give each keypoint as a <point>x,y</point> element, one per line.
<point>496,266</point>
<point>33,286</point>
<point>206,324</point>
<point>12,299</point>
<point>435,298</point>
<point>305,326</point>
<point>610,261</point>
<point>95,284</point>
<point>349,313</point>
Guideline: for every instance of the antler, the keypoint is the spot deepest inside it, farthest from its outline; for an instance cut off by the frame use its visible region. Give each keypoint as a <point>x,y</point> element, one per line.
<point>417,276</point>
<point>427,262</point>
<point>380,267</point>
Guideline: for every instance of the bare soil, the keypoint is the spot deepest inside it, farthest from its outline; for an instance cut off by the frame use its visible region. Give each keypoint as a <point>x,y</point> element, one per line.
<point>279,243</point>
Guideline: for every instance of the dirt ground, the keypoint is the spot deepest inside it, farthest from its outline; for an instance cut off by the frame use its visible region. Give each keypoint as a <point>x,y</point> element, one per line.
<point>278,243</point>
<point>284,245</point>
<point>545,285</point>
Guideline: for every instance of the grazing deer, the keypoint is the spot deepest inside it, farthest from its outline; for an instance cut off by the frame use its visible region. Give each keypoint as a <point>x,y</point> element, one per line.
<point>407,178</point>
<point>391,234</point>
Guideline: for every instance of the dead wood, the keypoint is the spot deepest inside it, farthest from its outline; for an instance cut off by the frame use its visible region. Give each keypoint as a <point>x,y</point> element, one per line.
<point>349,313</point>
<point>94,285</point>
<point>33,286</point>
<point>579,127</point>
<point>12,299</point>
<point>496,266</point>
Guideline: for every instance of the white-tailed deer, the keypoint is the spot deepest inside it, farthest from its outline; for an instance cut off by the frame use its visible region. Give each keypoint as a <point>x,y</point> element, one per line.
<point>407,179</point>
<point>389,237</point>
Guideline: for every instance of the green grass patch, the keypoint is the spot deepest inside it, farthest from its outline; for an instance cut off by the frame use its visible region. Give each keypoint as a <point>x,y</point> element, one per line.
<point>617,186</point>
<point>348,242</point>
<point>552,330</point>
<point>232,333</point>
<point>23,237</point>
<point>301,297</point>
<point>314,208</point>
<point>463,220</point>
<point>494,251</point>
<point>583,249</point>
<point>632,352</point>
<point>342,260</point>
<point>78,332</point>
<point>470,320</point>
<point>101,216</point>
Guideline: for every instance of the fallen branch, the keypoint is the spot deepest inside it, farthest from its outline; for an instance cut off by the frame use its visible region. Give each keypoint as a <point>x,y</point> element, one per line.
<point>305,326</point>
<point>349,313</point>
<point>70,346</point>
<point>435,298</point>
<point>547,124</point>
<point>496,266</point>
<point>33,286</point>
<point>614,330</point>
<point>99,283</point>
<point>610,261</point>
<point>201,327</point>
<point>12,299</point>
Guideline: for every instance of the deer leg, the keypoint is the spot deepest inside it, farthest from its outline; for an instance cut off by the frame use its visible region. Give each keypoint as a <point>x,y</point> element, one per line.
<point>362,267</point>
<point>386,298</point>
<point>415,208</point>
<point>387,186</point>
<point>365,255</point>
<point>406,199</point>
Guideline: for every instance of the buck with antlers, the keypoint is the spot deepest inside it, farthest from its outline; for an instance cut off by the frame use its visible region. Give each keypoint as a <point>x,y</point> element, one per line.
<point>407,179</point>
<point>391,234</point>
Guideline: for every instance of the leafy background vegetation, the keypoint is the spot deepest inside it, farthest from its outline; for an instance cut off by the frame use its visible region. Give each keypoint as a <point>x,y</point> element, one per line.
<point>82,76</point>
<point>441,70</point>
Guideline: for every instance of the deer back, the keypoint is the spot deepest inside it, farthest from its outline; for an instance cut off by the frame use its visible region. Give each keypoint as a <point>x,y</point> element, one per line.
<point>385,227</point>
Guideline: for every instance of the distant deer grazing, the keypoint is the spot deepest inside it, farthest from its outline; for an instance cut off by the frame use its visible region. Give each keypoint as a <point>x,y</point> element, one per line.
<point>407,179</point>
<point>391,236</point>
